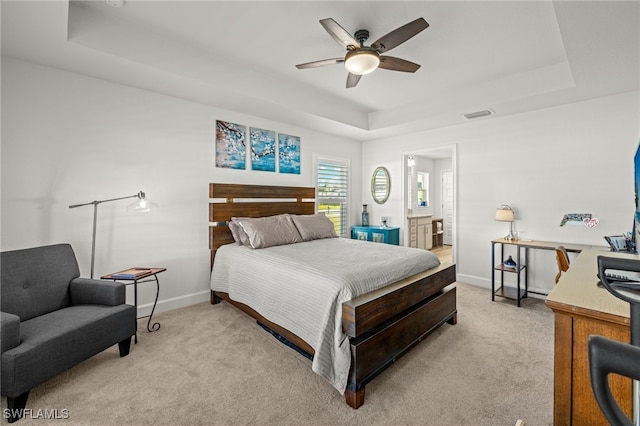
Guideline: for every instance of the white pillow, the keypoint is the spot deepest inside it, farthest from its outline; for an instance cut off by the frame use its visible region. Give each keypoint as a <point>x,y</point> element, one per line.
<point>314,226</point>
<point>270,231</point>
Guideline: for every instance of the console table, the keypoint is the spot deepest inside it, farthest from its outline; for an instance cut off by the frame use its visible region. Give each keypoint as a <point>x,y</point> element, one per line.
<point>520,292</point>
<point>582,308</point>
<point>377,234</point>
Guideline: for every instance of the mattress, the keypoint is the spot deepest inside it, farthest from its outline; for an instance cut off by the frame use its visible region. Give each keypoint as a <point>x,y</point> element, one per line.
<point>302,286</point>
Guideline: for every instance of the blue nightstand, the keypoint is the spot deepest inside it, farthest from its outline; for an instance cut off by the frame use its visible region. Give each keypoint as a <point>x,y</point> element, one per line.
<point>377,234</point>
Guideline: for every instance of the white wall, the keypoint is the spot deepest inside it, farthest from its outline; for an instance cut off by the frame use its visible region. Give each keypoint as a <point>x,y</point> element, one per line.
<point>69,139</point>
<point>441,165</point>
<point>575,158</point>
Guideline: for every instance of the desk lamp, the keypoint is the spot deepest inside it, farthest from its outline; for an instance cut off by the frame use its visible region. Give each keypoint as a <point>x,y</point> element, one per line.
<point>505,214</point>
<point>140,206</point>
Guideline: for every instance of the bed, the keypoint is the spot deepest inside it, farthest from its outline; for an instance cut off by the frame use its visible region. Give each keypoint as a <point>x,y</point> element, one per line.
<point>378,325</point>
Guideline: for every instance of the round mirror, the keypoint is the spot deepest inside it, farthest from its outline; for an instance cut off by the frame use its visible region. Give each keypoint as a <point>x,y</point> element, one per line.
<point>380,185</point>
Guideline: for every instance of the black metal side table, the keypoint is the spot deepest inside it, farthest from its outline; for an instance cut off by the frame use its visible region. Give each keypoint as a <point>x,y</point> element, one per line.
<point>137,276</point>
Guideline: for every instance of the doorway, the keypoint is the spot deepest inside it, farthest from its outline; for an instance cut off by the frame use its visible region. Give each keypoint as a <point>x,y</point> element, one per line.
<point>440,164</point>
<point>447,206</point>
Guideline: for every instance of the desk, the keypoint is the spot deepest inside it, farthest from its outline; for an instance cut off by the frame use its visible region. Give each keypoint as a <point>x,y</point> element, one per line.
<point>520,292</point>
<point>152,275</point>
<point>581,308</point>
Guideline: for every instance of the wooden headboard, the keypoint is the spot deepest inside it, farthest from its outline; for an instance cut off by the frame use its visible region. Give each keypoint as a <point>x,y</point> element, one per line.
<point>227,200</point>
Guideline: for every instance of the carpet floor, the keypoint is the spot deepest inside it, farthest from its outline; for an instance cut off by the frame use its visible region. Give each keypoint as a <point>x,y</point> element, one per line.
<point>214,365</point>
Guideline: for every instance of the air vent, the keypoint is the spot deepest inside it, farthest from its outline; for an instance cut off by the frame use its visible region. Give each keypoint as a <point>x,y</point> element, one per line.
<point>478,114</point>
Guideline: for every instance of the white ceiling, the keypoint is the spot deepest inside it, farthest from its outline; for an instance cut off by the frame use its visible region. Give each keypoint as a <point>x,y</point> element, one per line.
<point>509,56</point>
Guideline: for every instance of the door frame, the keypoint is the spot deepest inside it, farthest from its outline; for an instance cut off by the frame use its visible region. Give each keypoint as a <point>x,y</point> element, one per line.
<point>425,152</point>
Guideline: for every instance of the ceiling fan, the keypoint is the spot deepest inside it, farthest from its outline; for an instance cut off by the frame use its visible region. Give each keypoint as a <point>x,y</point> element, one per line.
<point>361,59</point>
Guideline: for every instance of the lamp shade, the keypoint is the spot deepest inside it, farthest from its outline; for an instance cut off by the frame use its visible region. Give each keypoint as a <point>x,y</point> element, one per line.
<point>504,214</point>
<point>361,61</point>
<point>142,205</point>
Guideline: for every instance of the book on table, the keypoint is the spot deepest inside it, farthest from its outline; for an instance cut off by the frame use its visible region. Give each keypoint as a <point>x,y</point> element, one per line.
<point>131,273</point>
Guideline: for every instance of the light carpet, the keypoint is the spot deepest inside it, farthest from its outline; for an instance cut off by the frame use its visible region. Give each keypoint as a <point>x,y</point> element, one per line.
<point>214,365</point>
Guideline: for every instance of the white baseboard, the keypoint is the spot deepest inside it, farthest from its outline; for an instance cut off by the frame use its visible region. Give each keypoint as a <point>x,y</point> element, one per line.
<point>476,281</point>
<point>174,303</point>
<point>486,283</point>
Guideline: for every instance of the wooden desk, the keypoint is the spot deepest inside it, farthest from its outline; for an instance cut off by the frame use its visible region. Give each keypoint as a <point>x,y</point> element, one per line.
<point>522,262</point>
<point>581,309</point>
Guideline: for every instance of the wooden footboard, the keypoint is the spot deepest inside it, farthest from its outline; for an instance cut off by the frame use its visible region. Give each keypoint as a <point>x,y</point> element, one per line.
<point>382,325</point>
<point>389,322</point>
<point>377,349</point>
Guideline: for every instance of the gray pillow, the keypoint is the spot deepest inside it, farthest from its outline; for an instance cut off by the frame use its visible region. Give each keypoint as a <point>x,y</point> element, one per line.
<point>237,232</point>
<point>314,226</point>
<point>270,231</point>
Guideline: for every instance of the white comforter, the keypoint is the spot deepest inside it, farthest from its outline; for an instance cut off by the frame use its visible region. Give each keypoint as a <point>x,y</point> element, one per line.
<point>302,287</point>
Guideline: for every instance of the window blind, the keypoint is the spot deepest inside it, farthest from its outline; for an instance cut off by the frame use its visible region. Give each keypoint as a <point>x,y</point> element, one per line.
<point>332,192</point>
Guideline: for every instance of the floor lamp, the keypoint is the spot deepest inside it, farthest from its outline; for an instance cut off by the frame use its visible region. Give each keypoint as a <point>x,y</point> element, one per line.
<point>140,206</point>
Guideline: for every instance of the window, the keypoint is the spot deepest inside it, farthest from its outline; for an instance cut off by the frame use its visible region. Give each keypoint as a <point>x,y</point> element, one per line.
<point>332,187</point>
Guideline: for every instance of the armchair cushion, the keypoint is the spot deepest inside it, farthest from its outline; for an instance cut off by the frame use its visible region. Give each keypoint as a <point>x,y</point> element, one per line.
<point>57,341</point>
<point>9,331</point>
<point>35,281</point>
<point>85,291</point>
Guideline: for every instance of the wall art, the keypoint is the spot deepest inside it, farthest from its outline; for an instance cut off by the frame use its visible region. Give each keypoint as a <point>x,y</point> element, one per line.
<point>230,145</point>
<point>289,153</point>
<point>575,219</point>
<point>263,149</point>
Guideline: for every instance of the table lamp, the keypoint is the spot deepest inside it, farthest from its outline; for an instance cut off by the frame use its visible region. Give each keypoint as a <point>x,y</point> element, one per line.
<point>140,206</point>
<point>505,214</point>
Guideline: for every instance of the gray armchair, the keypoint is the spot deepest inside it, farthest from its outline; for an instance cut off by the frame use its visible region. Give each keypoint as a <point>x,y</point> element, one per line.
<point>52,320</point>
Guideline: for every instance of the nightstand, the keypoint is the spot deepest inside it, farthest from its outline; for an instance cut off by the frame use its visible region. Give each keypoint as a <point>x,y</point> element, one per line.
<point>139,275</point>
<point>377,234</point>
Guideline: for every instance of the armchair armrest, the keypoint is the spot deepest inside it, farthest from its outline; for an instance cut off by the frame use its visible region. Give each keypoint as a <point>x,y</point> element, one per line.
<point>9,331</point>
<point>85,291</point>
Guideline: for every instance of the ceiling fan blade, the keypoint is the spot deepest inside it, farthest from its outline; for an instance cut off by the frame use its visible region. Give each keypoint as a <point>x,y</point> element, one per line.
<point>399,35</point>
<point>352,80</point>
<point>339,34</point>
<point>397,64</point>
<point>321,63</point>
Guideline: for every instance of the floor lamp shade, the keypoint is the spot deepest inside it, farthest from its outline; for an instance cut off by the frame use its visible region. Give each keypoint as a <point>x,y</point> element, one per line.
<point>142,205</point>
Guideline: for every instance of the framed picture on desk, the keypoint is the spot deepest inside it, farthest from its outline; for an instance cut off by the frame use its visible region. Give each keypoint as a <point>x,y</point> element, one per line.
<point>617,242</point>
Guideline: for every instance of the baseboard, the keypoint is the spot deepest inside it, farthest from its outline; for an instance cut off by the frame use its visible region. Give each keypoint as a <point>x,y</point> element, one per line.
<point>174,303</point>
<point>486,283</point>
<point>473,280</point>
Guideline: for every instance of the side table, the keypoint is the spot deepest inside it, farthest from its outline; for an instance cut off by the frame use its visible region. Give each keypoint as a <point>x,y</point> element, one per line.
<point>377,234</point>
<point>139,275</point>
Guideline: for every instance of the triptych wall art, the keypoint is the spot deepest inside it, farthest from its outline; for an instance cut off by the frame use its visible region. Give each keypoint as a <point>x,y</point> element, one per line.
<point>263,146</point>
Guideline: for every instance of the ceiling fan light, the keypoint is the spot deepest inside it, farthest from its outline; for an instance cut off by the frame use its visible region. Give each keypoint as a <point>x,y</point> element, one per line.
<point>361,61</point>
